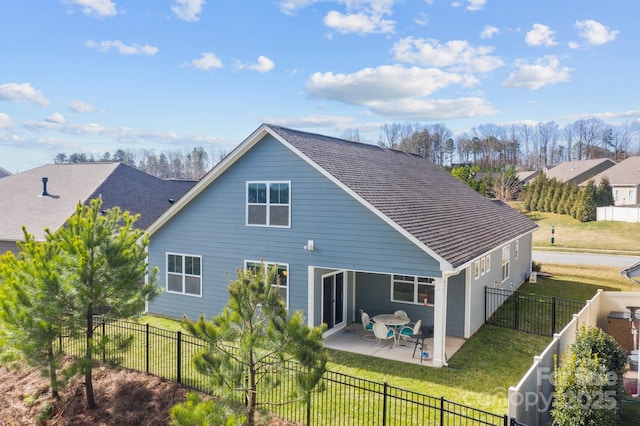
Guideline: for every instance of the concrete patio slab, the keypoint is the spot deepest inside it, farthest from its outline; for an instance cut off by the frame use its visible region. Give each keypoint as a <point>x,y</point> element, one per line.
<point>352,339</point>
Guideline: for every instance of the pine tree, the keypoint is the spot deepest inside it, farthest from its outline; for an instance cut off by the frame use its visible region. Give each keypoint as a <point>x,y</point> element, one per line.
<point>35,303</point>
<point>253,338</point>
<point>105,257</point>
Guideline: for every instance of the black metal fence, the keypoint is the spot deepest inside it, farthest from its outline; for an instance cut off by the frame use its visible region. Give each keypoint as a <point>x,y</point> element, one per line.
<point>531,313</point>
<point>343,400</point>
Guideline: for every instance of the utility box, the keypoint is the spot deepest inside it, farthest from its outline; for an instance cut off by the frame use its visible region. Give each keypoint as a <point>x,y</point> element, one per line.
<point>619,328</point>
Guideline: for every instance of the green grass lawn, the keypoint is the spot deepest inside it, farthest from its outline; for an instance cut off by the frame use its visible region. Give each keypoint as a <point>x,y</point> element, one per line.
<point>571,234</point>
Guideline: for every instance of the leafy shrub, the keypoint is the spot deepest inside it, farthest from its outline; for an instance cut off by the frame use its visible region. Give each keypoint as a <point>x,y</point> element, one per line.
<point>589,382</point>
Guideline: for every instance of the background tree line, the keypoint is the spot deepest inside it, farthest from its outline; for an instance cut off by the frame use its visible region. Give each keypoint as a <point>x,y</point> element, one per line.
<point>491,147</point>
<point>522,146</point>
<point>175,164</point>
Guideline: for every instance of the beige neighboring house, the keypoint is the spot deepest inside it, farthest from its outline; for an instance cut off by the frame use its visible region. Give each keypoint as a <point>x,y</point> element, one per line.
<point>44,197</point>
<point>624,179</point>
<point>579,171</point>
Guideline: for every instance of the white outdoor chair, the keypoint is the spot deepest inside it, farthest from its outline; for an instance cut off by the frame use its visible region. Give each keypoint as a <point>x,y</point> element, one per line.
<point>367,324</point>
<point>401,314</point>
<point>383,333</point>
<point>408,332</point>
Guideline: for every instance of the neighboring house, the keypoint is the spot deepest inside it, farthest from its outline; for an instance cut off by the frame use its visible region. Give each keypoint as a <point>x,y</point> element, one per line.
<point>350,226</point>
<point>525,177</point>
<point>624,179</point>
<point>30,201</point>
<point>579,171</point>
<point>3,172</point>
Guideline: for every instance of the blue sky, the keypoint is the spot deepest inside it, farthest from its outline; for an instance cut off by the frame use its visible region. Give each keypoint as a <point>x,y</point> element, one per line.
<point>170,75</point>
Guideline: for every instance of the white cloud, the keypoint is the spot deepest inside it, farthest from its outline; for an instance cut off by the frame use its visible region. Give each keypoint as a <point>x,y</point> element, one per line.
<point>123,49</point>
<point>475,5</point>
<point>55,118</point>
<point>359,16</point>
<point>80,106</point>
<point>97,8</point>
<point>439,109</point>
<point>382,84</point>
<point>455,54</point>
<point>5,121</point>
<point>263,65</point>
<point>289,7</point>
<point>422,19</point>
<point>594,32</point>
<point>359,23</point>
<point>314,120</point>
<point>543,72</point>
<point>207,61</point>
<point>540,35</point>
<point>15,92</point>
<point>188,10</point>
<point>489,31</point>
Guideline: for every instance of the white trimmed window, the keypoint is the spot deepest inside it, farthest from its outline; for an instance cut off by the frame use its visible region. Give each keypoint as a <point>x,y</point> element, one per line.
<point>506,255</point>
<point>281,280</point>
<point>410,289</point>
<point>268,204</point>
<point>517,248</point>
<point>488,263</point>
<point>184,274</point>
<point>476,269</point>
<point>483,266</point>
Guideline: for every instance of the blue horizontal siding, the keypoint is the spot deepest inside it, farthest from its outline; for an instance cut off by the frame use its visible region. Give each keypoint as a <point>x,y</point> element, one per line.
<point>346,234</point>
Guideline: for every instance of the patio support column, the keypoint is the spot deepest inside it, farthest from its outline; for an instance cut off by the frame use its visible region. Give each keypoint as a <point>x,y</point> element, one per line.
<point>439,322</point>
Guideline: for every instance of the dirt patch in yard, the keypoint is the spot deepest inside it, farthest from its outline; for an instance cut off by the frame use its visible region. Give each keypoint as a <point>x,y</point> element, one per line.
<point>124,397</point>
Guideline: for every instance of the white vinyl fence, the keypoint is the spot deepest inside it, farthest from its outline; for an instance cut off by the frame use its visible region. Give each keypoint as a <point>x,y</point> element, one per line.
<point>530,401</point>
<point>619,214</point>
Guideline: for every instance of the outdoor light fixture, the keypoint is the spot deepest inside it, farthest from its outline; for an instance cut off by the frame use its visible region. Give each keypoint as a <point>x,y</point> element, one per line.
<point>309,246</point>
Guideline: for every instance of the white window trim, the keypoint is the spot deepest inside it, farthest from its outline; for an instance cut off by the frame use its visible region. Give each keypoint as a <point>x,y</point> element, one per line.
<point>183,274</point>
<point>476,269</point>
<point>517,248</point>
<point>506,260</point>
<point>488,263</point>
<point>268,265</point>
<point>416,298</point>
<point>268,204</point>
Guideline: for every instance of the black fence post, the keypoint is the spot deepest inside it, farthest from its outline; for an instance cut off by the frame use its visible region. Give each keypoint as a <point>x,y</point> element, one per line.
<point>516,311</point>
<point>384,403</point>
<point>146,344</point>
<point>104,347</point>
<point>442,410</point>
<point>553,316</point>
<point>179,357</point>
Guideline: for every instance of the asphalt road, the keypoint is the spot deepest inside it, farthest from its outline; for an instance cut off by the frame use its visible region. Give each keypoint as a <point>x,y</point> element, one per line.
<point>584,259</point>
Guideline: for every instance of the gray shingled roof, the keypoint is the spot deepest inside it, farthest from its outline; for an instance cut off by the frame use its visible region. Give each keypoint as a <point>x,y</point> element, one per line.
<point>443,213</point>
<point>626,172</point>
<point>579,171</point>
<point>22,202</point>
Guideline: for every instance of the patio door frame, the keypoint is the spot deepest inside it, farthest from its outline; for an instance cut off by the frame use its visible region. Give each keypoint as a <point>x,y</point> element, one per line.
<point>338,313</point>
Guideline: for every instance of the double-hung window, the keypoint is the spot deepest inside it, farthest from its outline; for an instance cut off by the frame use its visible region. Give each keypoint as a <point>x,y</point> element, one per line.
<point>268,204</point>
<point>280,280</point>
<point>506,255</point>
<point>410,289</point>
<point>184,274</point>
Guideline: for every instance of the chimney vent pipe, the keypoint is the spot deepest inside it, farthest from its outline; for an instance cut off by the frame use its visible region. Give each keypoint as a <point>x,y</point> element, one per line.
<point>44,186</point>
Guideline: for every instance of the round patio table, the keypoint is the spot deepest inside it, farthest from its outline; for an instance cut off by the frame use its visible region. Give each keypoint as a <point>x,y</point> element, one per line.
<point>391,320</point>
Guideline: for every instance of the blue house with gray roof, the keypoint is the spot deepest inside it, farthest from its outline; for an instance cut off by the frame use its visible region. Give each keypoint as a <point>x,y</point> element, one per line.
<point>351,226</point>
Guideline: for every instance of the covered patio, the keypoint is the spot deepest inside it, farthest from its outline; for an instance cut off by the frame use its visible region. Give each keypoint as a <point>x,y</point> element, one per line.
<point>351,339</point>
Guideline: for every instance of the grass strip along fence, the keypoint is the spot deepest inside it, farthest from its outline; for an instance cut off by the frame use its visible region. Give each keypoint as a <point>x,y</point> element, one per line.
<point>531,313</point>
<point>342,400</point>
